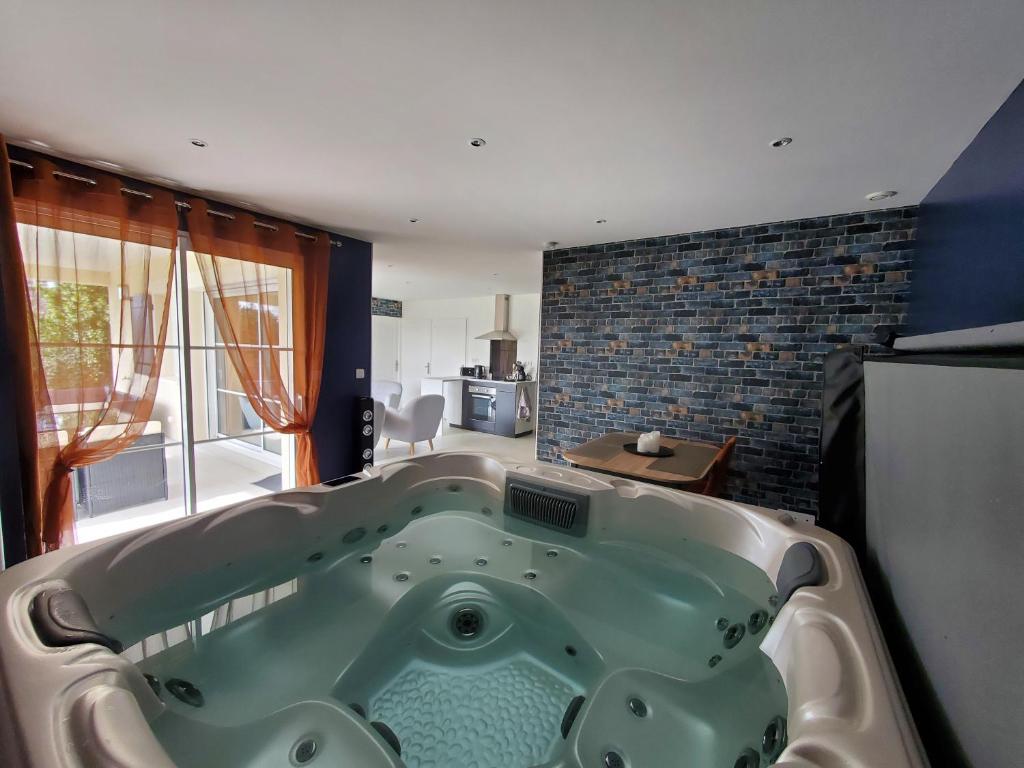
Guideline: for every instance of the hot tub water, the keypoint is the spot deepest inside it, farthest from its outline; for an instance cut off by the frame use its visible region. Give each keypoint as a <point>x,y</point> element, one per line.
<point>469,641</point>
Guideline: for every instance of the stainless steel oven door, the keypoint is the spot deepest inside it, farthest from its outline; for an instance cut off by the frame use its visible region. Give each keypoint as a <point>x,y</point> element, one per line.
<point>482,403</point>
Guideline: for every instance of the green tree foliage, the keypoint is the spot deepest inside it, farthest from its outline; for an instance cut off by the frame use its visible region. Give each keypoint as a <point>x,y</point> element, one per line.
<point>69,316</point>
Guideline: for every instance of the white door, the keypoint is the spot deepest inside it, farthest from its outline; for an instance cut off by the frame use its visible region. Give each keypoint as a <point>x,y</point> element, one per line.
<point>415,355</point>
<point>386,348</point>
<point>447,345</point>
<point>431,347</point>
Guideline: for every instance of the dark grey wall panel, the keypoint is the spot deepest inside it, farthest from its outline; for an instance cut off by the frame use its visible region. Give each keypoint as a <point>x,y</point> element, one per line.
<point>945,532</point>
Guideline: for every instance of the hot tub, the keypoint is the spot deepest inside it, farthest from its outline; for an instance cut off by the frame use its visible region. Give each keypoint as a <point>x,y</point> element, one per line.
<point>452,611</point>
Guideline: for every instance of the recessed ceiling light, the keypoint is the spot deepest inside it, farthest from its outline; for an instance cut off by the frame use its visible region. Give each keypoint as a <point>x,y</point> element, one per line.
<point>550,244</point>
<point>413,221</point>
<point>601,221</point>
<point>390,266</point>
<point>197,143</point>
<point>495,274</point>
<point>785,141</point>
<point>883,195</point>
<point>477,142</point>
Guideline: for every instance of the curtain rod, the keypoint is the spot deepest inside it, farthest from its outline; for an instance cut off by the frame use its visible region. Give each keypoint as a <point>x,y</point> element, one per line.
<point>179,203</point>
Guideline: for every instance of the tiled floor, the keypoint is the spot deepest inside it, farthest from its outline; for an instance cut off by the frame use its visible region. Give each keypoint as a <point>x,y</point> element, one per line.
<point>517,449</point>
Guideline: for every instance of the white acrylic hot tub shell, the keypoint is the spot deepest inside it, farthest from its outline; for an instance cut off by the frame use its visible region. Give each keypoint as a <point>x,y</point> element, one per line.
<point>85,706</point>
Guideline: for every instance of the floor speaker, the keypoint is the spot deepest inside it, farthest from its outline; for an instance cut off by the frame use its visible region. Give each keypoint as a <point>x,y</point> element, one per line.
<point>364,432</point>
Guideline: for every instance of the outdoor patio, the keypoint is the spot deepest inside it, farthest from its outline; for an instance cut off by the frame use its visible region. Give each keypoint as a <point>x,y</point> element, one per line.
<point>226,473</point>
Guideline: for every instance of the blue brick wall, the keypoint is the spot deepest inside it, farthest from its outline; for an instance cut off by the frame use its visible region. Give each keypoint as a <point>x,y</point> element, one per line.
<point>714,334</point>
<point>385,307</point>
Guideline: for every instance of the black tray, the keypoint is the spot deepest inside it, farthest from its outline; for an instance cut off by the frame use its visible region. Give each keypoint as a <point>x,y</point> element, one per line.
<point>663,451</point>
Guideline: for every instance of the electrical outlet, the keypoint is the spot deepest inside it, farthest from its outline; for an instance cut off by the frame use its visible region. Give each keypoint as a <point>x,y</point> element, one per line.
<point>360,373</point>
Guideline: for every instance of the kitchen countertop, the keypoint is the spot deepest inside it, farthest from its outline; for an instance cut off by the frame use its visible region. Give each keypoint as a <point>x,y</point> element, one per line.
<point>488,382</point>
<point>501,383</point>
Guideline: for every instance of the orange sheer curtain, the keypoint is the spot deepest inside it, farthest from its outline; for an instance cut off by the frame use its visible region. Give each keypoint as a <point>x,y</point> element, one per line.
<point>237,257</point>
<point>88,249</point>
<point>19,337</point>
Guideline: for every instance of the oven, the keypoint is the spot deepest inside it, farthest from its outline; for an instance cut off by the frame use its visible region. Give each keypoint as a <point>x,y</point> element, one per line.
<point>481,407</point>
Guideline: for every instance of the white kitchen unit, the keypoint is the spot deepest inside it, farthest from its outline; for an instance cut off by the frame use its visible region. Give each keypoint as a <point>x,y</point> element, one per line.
<point>451,388</point>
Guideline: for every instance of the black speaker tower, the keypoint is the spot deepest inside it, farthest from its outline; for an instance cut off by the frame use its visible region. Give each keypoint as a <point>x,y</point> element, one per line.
<point>364,433</point>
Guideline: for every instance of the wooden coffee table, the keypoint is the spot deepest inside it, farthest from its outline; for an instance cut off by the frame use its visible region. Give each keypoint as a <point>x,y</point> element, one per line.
<point>690,464</point>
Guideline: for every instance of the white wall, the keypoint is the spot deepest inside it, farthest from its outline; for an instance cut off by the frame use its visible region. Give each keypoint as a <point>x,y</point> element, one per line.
<point>386,347</point>
<point>524,323</point>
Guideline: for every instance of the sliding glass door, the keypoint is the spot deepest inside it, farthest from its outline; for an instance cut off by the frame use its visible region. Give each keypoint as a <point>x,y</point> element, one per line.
<point>237,455</point>
<point>81,309</point>
<point>204,446</point>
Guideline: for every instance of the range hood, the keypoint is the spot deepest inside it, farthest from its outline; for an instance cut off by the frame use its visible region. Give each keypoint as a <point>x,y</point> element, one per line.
<point>500,332</point>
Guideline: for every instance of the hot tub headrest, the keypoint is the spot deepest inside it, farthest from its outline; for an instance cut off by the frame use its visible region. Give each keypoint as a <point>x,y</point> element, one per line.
<point>62,618</point>
<point>802,566</point>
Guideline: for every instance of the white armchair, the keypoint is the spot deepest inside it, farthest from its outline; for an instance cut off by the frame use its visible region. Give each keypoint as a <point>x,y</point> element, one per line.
<point>387,391</point>
<point>414,422</point>
<point>379,411</point>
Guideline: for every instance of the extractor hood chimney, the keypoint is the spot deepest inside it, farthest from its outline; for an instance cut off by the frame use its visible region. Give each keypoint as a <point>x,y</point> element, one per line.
<point>500,332</point>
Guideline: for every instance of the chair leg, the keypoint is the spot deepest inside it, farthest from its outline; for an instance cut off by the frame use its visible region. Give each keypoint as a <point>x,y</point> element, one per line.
<point>430,443</point>
<point>412,449</point>
<point>387,442</point>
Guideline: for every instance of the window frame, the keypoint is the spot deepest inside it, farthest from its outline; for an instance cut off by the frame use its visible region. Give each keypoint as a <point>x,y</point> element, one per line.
<point>185,349</point>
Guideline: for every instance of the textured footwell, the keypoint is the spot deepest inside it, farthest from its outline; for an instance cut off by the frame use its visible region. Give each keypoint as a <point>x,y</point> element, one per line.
<point>492,717</point>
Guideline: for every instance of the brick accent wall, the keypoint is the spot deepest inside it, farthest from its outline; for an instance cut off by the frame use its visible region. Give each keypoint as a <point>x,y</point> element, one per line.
<point>720,333</point>
<point>385,307</point>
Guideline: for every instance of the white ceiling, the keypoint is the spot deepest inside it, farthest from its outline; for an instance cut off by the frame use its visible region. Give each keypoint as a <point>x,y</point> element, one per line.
<point>655,115</point>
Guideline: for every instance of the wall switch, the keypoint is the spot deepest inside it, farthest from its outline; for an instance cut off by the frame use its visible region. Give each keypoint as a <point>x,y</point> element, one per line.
<point>360,373</point>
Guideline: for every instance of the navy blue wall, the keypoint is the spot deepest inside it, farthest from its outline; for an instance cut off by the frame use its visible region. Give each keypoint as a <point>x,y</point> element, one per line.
<point>12,524</point>
<point>969,268</point>
<point>347,347</point>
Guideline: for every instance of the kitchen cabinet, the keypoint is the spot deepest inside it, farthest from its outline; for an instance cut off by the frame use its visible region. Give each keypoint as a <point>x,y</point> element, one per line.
<point>452,389</point>
<point>493,406</point>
